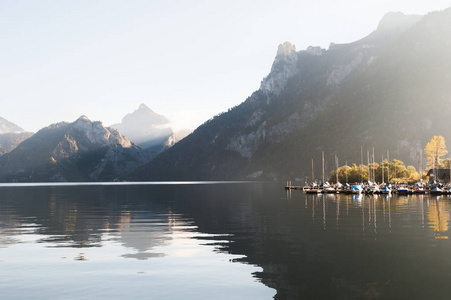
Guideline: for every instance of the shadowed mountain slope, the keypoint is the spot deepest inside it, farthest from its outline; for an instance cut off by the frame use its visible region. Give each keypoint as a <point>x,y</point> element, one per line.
<point>390,90</point>
<point>78,151</point>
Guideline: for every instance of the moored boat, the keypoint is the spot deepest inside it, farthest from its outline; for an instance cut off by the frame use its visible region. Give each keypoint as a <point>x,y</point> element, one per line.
<point>327,188</point>
<point>371,188</point>
<point>419,188</point>
<point>386,189</point>
<point>436,190</point>
<point>312,188</point>
<point>356,189</point>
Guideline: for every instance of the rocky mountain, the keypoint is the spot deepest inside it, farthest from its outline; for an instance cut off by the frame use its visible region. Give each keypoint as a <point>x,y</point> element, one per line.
<point>390,90</point>
<point>78,151</point>
<point>11,135</point>
<point>149,130</point>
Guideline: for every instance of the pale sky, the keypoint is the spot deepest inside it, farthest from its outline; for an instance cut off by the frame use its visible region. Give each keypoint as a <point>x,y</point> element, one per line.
<point>187,60</point>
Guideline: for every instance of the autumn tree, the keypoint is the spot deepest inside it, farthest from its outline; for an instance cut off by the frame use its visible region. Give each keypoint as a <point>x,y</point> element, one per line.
<point>434,150</point>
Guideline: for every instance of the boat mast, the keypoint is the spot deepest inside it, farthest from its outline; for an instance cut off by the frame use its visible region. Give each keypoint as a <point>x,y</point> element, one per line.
<point>347,172</point>
<point>382,168</point>
<point>323,164</point>
<point>372,168</point>
<point>388,167</point>
<point>336,164</point>
<point>421,164</point>
<point>313,177</point>
<point>361,163</point>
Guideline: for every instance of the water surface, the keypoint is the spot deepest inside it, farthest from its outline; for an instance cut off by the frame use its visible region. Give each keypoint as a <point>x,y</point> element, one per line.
<point>220,241</point>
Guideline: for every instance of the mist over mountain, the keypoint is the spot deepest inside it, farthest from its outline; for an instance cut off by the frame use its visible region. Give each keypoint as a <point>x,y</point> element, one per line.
<point>144,127</point>
<point>149,130</point>
<point>8,127</point>
<point>390,90</point>
<point>78,151</point>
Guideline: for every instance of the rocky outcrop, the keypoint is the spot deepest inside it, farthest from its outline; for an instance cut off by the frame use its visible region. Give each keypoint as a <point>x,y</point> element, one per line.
<point>283,68</point>
<point>387,90</point>
<point>78,151</point>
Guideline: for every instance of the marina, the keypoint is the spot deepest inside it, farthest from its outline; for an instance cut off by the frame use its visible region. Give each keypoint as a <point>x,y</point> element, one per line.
<point>373,188</point>
<point>371,178</point>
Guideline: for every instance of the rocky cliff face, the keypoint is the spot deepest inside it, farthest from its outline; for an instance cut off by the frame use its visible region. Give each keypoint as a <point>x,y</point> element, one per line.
<point>78,151</point>
<point>388,90</point>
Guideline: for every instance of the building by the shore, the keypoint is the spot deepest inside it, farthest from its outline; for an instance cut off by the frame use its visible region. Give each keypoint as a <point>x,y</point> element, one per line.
<point>442,174</point>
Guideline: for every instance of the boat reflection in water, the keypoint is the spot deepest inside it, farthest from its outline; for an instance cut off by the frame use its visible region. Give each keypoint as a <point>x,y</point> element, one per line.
<point>227,241</point>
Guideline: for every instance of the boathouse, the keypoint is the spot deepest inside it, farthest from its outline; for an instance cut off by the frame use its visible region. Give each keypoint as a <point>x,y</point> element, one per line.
<point>442,174</point>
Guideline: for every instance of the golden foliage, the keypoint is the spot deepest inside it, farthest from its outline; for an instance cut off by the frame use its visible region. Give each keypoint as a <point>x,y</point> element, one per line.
<point>434,150</point>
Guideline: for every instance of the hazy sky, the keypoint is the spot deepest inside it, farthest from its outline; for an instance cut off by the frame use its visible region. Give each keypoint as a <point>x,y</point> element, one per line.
<point>187,60</point>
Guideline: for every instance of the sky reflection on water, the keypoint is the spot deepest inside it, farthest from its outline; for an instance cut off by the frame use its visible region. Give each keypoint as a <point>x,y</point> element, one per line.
<point>221,241</point>
<point>110,242</point>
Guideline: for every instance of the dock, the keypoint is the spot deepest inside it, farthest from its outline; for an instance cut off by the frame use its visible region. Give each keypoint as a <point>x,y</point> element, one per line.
<point>409,190</point>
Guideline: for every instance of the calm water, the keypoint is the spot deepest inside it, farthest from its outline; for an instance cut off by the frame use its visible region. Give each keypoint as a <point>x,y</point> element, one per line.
<point>220,241</point>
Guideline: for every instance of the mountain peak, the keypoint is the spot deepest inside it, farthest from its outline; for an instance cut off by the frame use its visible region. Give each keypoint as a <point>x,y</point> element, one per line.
<point>144,126</point>
<point>83,118</point>
<point>144,107</point>
<point>283,67</point>
<point>78,151</point>
<point>285,49</point>
<point>397,22</point>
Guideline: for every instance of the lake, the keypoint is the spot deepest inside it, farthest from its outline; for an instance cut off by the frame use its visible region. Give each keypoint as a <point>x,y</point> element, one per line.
<point>216,240</point>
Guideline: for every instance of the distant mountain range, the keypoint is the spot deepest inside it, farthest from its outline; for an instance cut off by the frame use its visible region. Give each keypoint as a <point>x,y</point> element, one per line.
<point>390,90</point>
<point>83,150</point>
<point>78,151</point>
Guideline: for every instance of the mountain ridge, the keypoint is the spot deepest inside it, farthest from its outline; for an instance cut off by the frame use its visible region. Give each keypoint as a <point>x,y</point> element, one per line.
<point>381,91</point>
<point>79,151</point>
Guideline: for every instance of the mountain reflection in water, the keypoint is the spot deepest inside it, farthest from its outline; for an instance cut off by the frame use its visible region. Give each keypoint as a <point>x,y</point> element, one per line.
<point>191,240</point>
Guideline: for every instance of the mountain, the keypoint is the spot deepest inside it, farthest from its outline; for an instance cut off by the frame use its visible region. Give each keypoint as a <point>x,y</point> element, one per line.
<point>149,130</point>
<point>389,90</point>
<point>145,127</point>
<point>9,141</point>
<point>11,135</point>
<point>8,127</point>
<point>78,151</point>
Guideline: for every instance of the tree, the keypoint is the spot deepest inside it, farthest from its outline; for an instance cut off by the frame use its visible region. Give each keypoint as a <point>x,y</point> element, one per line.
<point>434,150</point>
<point>445,164</point>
